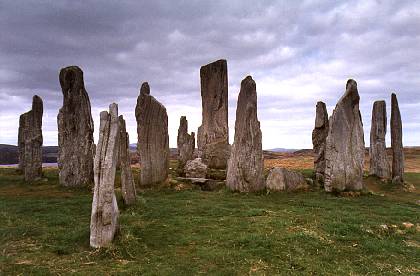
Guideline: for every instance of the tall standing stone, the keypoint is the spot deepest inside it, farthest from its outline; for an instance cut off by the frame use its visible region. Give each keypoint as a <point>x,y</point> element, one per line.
<point>104,218</point>
<point>396,142</point>
<point>213,134</point>
<point>128,187</point>
<point>345,147</point>
<point>319,137</point>
<point>185,144</point>
<point>153,139</point>
<point>75,131</point>
<point>379,164</point>
<point>245,166</point>
<point>30,141</point>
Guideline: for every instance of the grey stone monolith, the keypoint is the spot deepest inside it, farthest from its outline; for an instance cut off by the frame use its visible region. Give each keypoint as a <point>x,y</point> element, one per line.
<point>245,165</point>
<point>30,141</point>
<point>75,131</point>
<point>319,138</point>
<point>379,164</point>
<point>345,146</point>
<point>153,139</point>
<point>104,217</point>
<point>128,187</point>
<point>213,134</point>
<point>396,142</point>
<point>185,144</point>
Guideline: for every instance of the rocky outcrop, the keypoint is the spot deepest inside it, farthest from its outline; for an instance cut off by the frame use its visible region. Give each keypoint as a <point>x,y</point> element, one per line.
<point>319,137</point>
<point>245,165</point>
<point>128,187</point>
<point>345,146</point>
<point>396,142</point>
<point>30,141</point>
<point>213,134</point>
<point>75,131</point>
<point>280,179</point>
<point>185,143</point>
<point>379,164</point>
<point>153,139</point>
<point>104,218</point>
<point>195,168</point>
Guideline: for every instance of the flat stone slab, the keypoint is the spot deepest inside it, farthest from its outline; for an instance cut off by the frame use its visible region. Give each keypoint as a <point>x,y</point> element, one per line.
<point>204,183</point>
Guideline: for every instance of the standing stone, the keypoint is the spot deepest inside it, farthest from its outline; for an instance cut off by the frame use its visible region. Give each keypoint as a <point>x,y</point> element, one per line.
<point>104,218</point>
<point>319,137</point>
<point>30,141</point>
<point>153,139</point>
<point>75,131</point>
<point>128,186</point>
<point>245,166</point>
<point>213,134</point>
<point>396,142</point>
<point>345,147</point>
<point>185,144</point>
<point>379,165</point>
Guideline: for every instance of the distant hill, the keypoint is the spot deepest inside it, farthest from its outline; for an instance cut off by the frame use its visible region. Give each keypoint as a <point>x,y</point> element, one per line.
<point>281,150</point>
<point>9,154</point>
<point>133,147</point>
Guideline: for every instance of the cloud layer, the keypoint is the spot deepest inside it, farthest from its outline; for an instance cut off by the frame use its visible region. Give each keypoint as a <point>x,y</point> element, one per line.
<point>298,52</point>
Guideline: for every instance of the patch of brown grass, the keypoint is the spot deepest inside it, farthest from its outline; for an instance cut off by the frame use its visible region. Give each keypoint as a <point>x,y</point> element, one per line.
<point>303,159</point>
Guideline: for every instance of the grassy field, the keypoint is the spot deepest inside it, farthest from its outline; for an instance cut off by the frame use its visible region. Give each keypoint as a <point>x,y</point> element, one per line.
<point>44,229</point>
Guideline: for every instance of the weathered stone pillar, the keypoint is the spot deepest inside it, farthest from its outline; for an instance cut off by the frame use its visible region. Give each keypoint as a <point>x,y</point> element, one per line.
<point>128,187</point>
<point>319,137</point>
<point>75,131</point>
<point>30,141</point>
<point>396,142</point>
<point>153,139</point>
<point>245,166</point>
<point>213,134</point>
<point>379,164</point>
<point>345,146</point>
<point>104,218</point>
<point>185,144</point>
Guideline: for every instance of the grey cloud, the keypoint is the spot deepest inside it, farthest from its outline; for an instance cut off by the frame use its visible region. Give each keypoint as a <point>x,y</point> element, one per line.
<point>298,52</point>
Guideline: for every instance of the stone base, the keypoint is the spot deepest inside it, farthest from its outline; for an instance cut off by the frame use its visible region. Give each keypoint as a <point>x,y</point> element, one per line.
<point>204,183</point>
<point>216,155</point>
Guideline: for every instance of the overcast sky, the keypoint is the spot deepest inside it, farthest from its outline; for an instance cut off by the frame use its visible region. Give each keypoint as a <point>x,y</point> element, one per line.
<point>298,52</point>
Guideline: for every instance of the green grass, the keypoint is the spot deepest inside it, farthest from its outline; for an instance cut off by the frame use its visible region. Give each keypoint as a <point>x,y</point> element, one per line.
<point>44,229</point>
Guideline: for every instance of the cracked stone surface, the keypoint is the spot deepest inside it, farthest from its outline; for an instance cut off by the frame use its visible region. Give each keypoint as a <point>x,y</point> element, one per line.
<point>104,217</point>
